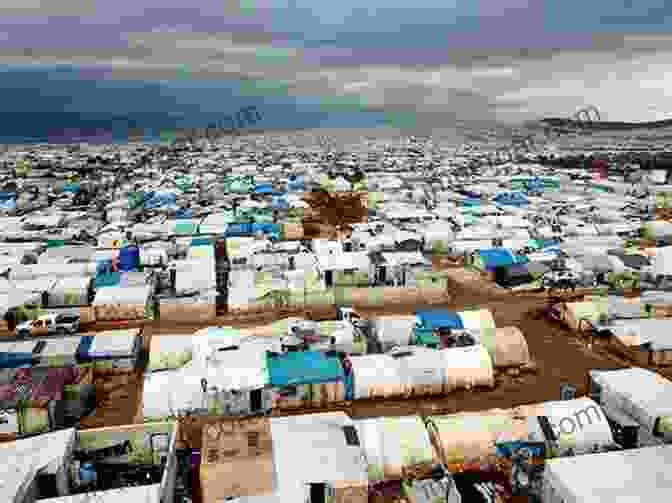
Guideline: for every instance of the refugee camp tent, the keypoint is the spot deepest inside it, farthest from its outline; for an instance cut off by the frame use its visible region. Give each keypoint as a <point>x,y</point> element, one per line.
<point>295,459</point>
<point>121,302</point>
<point>305,379</point>
<point>393,331</point>
<point>641,394</point>
<point>72,291</point>
<point>634,475</point>
<point>25,458</point>
<point>396,447</point>
<point>579,424</point>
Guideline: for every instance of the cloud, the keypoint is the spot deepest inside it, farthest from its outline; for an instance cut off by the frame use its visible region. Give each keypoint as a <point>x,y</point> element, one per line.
<point>507,84</point>
<point>50,8</point>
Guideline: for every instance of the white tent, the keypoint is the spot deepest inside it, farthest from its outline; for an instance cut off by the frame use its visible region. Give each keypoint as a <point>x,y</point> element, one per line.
<point>642,394</point>
<point>629,476</point>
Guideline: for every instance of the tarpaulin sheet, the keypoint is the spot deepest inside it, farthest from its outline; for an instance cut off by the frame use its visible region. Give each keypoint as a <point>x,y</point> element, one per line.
<point>183,213</point>
<point>512,198</point>
<point>440,318</point>
<point>264,188</point>
<point>234,230</point>
<point>297,185</point>
<point>305,367</point>
<point>161,200</point>
<point>496,257</point>
<point>280,202</point>
<point>15,360</point>
<point>84,347</point>
<point>274,229</point>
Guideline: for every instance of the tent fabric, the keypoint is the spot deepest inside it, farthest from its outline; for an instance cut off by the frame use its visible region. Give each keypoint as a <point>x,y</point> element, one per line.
<point>640,393</point>
<point>15,360</point>
<point>280,202</point>
<point>308,367</point>
<point>640,475</point>
<point>264,188</point>
<point>655,333</point>
<point>497,257</point>
<point>155,200</point>
<point>512,198</point>
<point>440,318</point>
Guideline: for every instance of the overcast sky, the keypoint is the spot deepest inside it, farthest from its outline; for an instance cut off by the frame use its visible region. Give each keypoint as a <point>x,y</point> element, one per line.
<point>508,60</point>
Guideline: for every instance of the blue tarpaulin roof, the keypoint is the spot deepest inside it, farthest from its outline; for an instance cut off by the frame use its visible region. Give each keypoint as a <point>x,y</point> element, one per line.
<point>266,228</point>
<point>264,188</point>
<point>512,199</point>
<point>304,367</point>
<point>160,200</point>
<point>280,202</point>
<point>440,318</point>
<point>234,230</point>
<point>496,257</point>
<point>15,360</point>
<point>296,184</point>
<point>184,213</point>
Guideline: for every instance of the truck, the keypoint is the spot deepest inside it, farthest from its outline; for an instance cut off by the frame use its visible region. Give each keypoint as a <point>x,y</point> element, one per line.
<point>49,324</point>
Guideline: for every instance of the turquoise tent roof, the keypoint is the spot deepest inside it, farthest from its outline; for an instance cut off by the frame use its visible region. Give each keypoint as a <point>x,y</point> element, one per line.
<point>496,257</point>
<point>304,367</point>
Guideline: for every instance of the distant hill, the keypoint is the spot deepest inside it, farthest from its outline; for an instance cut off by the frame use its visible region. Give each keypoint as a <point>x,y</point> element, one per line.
<point>557,122</point>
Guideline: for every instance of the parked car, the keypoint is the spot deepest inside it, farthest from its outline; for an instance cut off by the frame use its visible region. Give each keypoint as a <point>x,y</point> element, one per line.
<point>49,324</point>
<point>564,279</point>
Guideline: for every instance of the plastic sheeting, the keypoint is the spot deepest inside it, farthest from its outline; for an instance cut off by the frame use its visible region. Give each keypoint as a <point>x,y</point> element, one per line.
<point>640,393</point>
<point>393,331</point>
<point>631,476</point>
<point>169,352</point>
<point>507,346</point>
<point>473,437</point>
<point>304,368</point>
<point>579,424</point>
<point>479,319</point>
<point>423,372</point>
<point>396,447</point>
<point>467,367</point>
<point>375,376</point>
<point>165,200</point>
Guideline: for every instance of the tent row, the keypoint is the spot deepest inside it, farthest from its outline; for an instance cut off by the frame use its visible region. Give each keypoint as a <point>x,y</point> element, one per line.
<point>115,348</point>
<point>311,457</point>
<point>253,374</point>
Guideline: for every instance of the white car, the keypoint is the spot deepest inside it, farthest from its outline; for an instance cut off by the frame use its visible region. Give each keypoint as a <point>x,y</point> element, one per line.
<point>49,324</point>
